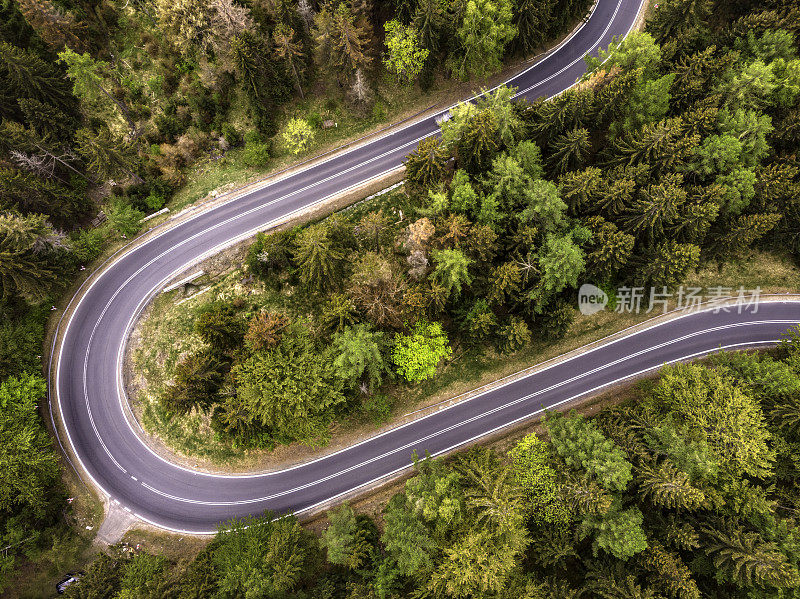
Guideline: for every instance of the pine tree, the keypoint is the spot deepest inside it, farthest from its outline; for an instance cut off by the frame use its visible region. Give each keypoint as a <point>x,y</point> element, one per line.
<point>31,194</point>
<point>430,20</point>
<point>693,222</point>
<point>667,487</point>
<point>25,75</point>
<point>337,313</point>
<point>46,121</point>
<point>570,151</point>
<point>357,357</point>
<point>504,283</point>
<point>426,165</point>
<point>531,19</point>
<point>786,415</point>
<point>342,41</point>
<point>264,84</point>
<point>291,51</point>
<point>479,142</point>
<point>662,145</point>
<point>667,264</point>
<point>740,234</point>
<point>585,496</point>
<point>652,214</point>
<point>55,26</point>
<point>582,190</point>
<point>318,258</point>
<point>107,156</point>
<point>25,242</point>
<point>618,194</point>
<point>610,248</point>
<point>746,559</point>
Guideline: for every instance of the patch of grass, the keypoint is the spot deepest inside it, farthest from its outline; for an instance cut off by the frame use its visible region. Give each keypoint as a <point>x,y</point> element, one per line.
<point>165,335</point>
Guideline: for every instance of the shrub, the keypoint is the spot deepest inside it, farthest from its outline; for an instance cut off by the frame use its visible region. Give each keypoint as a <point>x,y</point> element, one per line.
<point>315,120</point>
<point>124,218</point>
<point>379,112</point>
<point>298,135</point>
<point>87,244</point>
<point>255,155</point>
<point>231,135</point>
<point>253,137</point>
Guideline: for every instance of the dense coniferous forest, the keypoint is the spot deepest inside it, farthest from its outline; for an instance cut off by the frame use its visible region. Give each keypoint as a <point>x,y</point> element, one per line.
<point>687,490</point>
<point>679,148</point>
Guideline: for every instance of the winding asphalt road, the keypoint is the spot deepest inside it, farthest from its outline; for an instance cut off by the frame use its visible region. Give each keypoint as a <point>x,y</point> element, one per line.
<point>87,381</point>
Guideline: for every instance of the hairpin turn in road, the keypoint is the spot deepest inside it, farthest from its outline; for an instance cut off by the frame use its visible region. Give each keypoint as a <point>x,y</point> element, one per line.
<point>86,383</point>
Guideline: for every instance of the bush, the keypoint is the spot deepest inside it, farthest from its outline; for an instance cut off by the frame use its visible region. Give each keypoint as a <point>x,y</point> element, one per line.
<point>377,408</point>
<point>255,153</point>
<point>315,120</point>
<point>124,218</point>
<point>297,136</point>
<point>379,112</point>
<point>557,320</point>
<point>253,137</point>
<point>231,135</point>
<point>155,201</point>
<point>87,244</point>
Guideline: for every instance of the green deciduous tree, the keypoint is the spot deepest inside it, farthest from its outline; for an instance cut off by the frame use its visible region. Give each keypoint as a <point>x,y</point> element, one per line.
<point>298,135</point>
<point>345,541</point>
<point>483,34</point>
<point>532,461</point>
<point>618,532</point>
<point>406,537</point>
<point>717,411</point>
<point>28,466</point>
<point>259,557</point>
<point>417,354</point>
<point>405,56</point>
